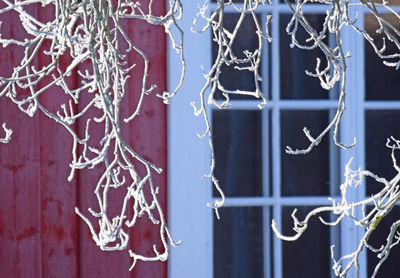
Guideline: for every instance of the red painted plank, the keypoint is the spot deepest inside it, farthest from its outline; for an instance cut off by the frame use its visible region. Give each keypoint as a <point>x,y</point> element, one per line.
<point>19,161</point>
<point>59,238</point>
<point>94,262</point>
<point>149,135</point>
<point>41,242</point>
<point>40,236</point>
<point>58,198</point>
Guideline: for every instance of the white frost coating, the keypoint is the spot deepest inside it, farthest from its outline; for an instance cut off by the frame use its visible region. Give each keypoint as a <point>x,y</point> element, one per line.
<point>250,61</point>
<point>337,16</point>
<point>8,132</point>
<point>91,32</point>
<point>382,203</point>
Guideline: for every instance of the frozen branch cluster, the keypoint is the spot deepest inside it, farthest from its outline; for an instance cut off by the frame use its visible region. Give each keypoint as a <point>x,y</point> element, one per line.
<point>337,17</point>
<point>88,36</point>
<point>331,71</point>
<point>366,213</point>
<point>249,60</point>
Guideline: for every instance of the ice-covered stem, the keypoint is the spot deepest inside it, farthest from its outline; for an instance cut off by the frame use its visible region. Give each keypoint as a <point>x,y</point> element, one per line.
<point>338,17</point>
<point>7,136</point>
<point>249,60</point>
<point>331,72</point>
<point>382,204</point>
<point>91,32</point>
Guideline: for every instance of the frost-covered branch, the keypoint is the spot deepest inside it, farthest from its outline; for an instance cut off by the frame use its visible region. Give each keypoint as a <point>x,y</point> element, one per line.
<point>87,38</point>
<point>331,70</point>
<point>381,205</point>
<point>337,17</point>
<point>7,136</point>
<point>249,60</point>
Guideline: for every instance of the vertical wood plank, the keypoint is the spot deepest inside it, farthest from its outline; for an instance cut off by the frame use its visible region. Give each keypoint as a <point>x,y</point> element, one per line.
<point>149,132</point>
<point>94,262</point>
<point>19,175</point>
<point>40,235</point>
<point>59,238</point>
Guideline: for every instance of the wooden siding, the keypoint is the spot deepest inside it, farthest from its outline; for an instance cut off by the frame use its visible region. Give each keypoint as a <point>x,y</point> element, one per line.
<point>40,235</point>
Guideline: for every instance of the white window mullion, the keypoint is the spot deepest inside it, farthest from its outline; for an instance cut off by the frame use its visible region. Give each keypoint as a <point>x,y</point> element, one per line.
<point>265,114</point>
<point>267,244</point>
<point>189,219</point>
<point>265,154</point>
<point>276,146</point>
<point>334,179</point>
<point>350,127</point>
<point>359,100</point>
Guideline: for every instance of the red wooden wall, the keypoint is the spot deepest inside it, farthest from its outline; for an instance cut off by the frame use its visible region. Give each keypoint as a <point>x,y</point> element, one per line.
<point>40,235</point>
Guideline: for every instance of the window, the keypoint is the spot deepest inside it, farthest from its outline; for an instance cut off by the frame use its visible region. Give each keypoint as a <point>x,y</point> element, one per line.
<point>260,180</point>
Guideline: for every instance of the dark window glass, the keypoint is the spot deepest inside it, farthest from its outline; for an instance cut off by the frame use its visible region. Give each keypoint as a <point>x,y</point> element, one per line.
<point>238,243</point>
<point>246,39</point>
<point>309,256</point>
<point>380,125</point>
<point>238,151</point>
<point>304,175</point>
<point>390,268</point>
<point>295,83</point>
<point>381,82</point>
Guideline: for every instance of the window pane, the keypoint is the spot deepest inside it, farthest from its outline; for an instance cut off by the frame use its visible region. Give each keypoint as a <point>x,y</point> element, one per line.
<point>304,175</point>
<point>380,125</point>
<point>378,238</point>
<point>238,243</point>
<point>295,84</point>
<point>246,39</point>
<point>381,82</point>
<point>238,151</point>
<point>309,256</point>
